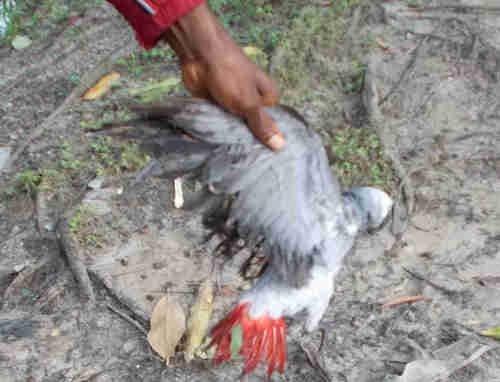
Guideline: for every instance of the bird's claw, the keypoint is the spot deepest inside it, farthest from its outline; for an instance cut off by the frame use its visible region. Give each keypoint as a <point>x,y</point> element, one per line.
<point>247,270</point>
<point>313,355</point>
<point>322,340</point>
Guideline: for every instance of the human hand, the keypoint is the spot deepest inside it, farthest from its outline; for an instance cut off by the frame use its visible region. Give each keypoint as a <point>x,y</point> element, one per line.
<point>214,67</point>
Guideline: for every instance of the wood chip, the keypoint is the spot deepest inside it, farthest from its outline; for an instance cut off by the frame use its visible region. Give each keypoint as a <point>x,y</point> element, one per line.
<point>178,194</point>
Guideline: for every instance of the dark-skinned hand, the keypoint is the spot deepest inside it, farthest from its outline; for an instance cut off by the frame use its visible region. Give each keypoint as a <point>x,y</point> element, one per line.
<point>214,67</point>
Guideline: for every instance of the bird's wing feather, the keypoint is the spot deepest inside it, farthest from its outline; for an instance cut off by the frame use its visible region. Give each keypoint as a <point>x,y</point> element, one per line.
<point>286,197</point>
<point>199,118</point>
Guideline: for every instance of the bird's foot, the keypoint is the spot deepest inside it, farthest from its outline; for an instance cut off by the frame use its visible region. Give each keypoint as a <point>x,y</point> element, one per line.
<point>313,354</point>
<point>256,263</point>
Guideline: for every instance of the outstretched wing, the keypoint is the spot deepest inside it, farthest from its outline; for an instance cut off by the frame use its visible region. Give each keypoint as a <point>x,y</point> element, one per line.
<point>286,197</point>
<point>290,200</point>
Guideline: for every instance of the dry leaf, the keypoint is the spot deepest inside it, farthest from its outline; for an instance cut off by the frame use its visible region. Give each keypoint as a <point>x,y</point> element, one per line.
<point>168,324</point>
<point>101,86</point>
<point>199,318</point>
<point>493,333</point>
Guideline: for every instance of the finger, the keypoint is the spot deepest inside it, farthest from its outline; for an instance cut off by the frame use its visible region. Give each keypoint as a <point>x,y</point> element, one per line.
<point>264,128</point>
<point>267,89</point>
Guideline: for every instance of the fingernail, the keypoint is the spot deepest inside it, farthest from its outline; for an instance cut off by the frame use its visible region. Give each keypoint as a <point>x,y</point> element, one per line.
<point>276,142</point>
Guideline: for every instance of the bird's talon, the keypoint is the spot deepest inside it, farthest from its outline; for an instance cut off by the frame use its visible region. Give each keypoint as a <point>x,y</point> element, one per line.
<point>323,339</point>
<point>314,360</point>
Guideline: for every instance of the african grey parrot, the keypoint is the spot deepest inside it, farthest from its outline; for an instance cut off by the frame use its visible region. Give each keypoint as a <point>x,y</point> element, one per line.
<point>290,198</point>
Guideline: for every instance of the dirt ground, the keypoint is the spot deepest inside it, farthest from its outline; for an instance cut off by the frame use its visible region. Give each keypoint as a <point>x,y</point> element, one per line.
<point>84,255</point>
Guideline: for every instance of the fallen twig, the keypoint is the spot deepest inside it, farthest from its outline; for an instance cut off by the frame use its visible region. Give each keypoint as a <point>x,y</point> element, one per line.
<point>71,249</point>
<point>455,8</point>
<point>478,353</point>
<point>402,300</point>
<point>431,283</point>
<point>128,319</point>
<point>405,71</point>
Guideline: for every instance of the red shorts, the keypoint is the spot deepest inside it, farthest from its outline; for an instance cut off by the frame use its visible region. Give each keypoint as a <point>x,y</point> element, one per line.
<point>150,18</point>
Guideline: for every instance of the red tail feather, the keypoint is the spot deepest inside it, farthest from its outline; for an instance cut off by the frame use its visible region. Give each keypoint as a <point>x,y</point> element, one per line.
<point>263,338</point>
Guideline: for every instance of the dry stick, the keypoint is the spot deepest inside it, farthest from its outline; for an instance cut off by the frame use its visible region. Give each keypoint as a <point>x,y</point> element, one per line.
<point>402,301</point>
<point>457,8</point>
<point>406,188</point>
<point>128,319</point>
<point>407,68</point>
<point>413,59</point>
<point>72,250</point>
<point>478,353</point>
<point>431,283</point>
<point>89,79</point>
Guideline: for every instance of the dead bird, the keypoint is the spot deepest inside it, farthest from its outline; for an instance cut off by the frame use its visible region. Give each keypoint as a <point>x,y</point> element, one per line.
<point>290,198</point>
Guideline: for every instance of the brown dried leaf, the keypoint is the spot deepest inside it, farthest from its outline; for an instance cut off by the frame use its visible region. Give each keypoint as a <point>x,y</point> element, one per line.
<point>199,318</point>
<point>101,86</point>
<point>168,324</point>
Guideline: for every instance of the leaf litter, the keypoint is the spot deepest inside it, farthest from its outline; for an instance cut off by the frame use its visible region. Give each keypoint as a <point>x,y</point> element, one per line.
<point>168,324</point>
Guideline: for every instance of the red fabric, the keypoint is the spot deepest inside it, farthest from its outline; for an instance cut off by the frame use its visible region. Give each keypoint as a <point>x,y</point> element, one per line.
<point>149,28</point>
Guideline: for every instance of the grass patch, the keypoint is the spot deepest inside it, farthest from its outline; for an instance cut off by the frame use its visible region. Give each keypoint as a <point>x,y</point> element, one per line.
<point>40,19</point>
<point>136,63</point>
<point>27,183</point>
<point>318,56</point>
<point>88,229</point>
<point>320,63</point>
<point>358,159</point>
<point>249,22</point>
<point>101,156</point>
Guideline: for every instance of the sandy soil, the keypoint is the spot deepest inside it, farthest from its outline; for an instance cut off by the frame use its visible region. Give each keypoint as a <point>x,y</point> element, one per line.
<point>430,92</point>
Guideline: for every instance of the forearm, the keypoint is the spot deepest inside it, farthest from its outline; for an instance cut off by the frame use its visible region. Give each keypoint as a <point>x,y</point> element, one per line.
<point>213,65</point>
<point>152,18</point>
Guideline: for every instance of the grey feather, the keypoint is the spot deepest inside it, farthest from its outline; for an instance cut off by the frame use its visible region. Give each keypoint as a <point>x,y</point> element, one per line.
<point>290,198</point>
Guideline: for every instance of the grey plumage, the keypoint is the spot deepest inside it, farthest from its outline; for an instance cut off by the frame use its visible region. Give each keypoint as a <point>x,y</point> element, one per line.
<point>290,198</point>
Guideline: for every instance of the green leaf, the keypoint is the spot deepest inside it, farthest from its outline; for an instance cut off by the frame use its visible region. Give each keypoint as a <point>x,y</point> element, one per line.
<point>236,341</point>
<point>21,42</point>
<point>493,333</point>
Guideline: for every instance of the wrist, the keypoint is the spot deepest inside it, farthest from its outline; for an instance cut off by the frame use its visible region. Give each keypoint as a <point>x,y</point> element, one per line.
<point>200,33</point>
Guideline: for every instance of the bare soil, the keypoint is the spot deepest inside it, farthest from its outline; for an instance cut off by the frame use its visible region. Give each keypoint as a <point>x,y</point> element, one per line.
<point>71,257</point>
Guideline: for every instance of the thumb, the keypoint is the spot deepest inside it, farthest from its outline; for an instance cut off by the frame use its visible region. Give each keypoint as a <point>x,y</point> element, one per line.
<point>264,128</point>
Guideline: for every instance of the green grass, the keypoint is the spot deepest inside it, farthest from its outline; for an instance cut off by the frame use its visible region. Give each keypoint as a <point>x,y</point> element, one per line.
<point>88,229</point>
<point>358,158</point>
<point>27,183</point>
<point>249,22</point>
<point>39,19</point>
<point>136,63</point>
